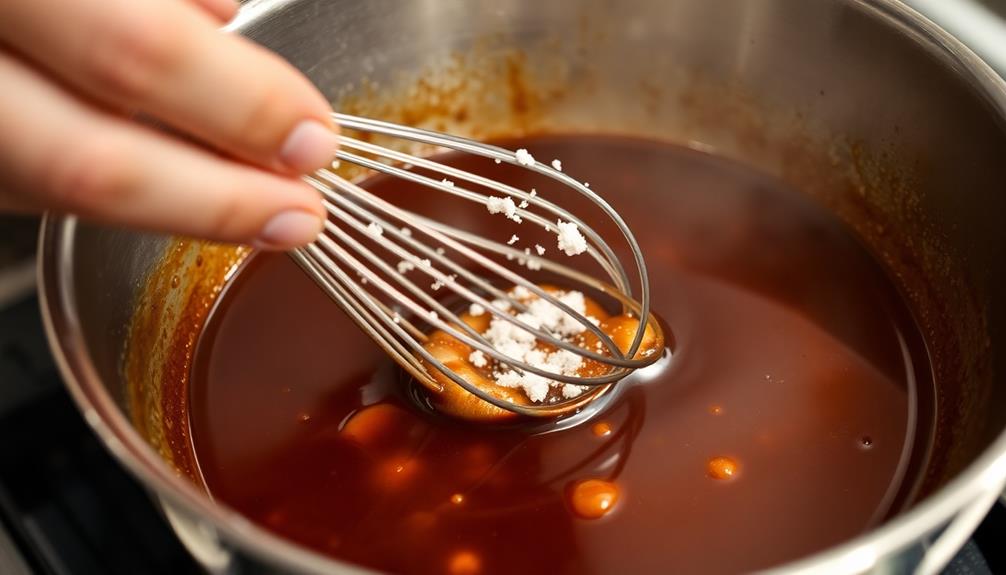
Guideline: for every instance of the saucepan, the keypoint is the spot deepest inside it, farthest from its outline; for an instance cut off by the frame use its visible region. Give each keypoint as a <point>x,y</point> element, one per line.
<point>863,105</point>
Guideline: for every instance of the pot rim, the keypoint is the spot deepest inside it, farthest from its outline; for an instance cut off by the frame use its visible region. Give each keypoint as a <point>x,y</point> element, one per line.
<point>987,473</point>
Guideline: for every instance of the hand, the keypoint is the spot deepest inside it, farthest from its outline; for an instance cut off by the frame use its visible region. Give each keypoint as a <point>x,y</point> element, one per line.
<point>246,124</point>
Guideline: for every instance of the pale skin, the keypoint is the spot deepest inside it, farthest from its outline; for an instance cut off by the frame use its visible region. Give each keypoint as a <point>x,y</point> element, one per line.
<point>243,124</point>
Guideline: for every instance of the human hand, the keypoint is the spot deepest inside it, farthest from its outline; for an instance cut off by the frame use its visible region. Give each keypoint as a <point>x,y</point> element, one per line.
<point>246,123</point>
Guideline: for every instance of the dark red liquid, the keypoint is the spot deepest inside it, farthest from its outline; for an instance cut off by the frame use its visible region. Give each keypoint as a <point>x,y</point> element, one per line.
<point>795,362</point>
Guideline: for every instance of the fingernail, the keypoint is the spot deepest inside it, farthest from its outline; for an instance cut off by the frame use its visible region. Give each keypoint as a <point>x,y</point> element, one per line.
<point>289,229</point>
<point>309,146</point>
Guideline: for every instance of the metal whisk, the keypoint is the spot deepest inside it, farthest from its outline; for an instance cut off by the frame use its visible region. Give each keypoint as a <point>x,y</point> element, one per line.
<point>353,261</point>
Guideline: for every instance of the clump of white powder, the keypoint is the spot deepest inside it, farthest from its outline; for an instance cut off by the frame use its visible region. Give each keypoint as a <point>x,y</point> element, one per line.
<point>570,240</point>
<point>524,157</point>
<point>374,229</point>
<point>513,239</point>
<point>505,206</point>
<point>557,165</point>
<point>530,262</point>
<point>478,359</point>
<point>520,344</point>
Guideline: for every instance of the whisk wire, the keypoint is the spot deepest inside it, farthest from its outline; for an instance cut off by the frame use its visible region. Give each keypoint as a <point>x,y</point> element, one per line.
<point>615,353</point>
<point>386,303</point>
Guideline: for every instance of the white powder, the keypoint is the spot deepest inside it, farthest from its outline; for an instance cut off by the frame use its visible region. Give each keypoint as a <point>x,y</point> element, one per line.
<point>523,204</point>
<point>447,183</point>
<point>521,345</point>
<point>476,310</point>
<point>523,157</point>
<point>503,206</point>
<point>535,386</point>
<point>557,165</point>
<point>539,249</point>
<point>498,161</point>
<point>533,193</point>
<point>508,379</point>
<point>433,314</point>
<point>513,239</point>
<point>531,263</point>
<point>374,229</point>
<point>569,391</point>
<point>406,232</point>
<point>521,293</point>
<point>336,164</point>
<point>478,359</point>
<point>405,267</point>
<point>571,241</point>
<point>586,184</point>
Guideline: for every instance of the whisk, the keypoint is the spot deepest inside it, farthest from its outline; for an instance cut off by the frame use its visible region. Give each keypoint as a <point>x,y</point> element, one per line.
<point>353,261</point>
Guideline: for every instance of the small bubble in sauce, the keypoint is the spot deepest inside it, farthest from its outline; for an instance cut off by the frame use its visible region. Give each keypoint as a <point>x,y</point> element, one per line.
<point>175,281</point>
<point>716,409</point>
<point>601,429</point>
<point>396,473</point>
<point>722,468</point>
<point>464,563</point>
<point>866,442</point>
<point>304,417</point>
<point>457,499</point>
<point>593,498</point>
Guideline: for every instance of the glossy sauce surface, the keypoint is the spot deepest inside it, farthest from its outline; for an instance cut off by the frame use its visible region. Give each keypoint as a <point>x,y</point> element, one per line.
<point>782,423</point>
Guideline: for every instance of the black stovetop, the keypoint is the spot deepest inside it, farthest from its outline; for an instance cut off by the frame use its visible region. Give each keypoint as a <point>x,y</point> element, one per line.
<point>66,507</point>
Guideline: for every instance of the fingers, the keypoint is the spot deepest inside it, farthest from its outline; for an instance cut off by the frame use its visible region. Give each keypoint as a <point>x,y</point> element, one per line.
<point>167,59</point>
<point>221,10</point>
<point>60,152</point>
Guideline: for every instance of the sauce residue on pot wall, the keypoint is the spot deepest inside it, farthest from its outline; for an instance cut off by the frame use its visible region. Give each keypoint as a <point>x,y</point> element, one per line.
<point>162,336</point>
<point>742,451</point>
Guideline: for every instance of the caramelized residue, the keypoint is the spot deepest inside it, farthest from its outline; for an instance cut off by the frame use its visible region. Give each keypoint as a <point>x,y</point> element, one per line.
<point>157,361</point>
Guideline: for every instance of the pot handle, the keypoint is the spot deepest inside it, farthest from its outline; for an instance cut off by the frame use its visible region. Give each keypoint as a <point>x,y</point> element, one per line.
<point>959,530</point>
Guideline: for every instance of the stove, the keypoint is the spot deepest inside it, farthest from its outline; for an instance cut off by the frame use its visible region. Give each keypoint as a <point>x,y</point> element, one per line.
<point>68,508</point>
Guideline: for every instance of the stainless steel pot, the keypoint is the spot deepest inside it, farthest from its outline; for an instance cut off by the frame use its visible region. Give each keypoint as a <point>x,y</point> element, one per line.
<point>862,104</point>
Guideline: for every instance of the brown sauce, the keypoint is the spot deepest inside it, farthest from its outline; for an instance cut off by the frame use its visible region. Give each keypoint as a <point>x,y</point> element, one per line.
<point>793,414</point>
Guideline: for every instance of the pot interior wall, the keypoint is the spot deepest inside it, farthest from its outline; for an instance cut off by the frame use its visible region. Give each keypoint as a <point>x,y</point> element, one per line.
<point>838,98</point>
